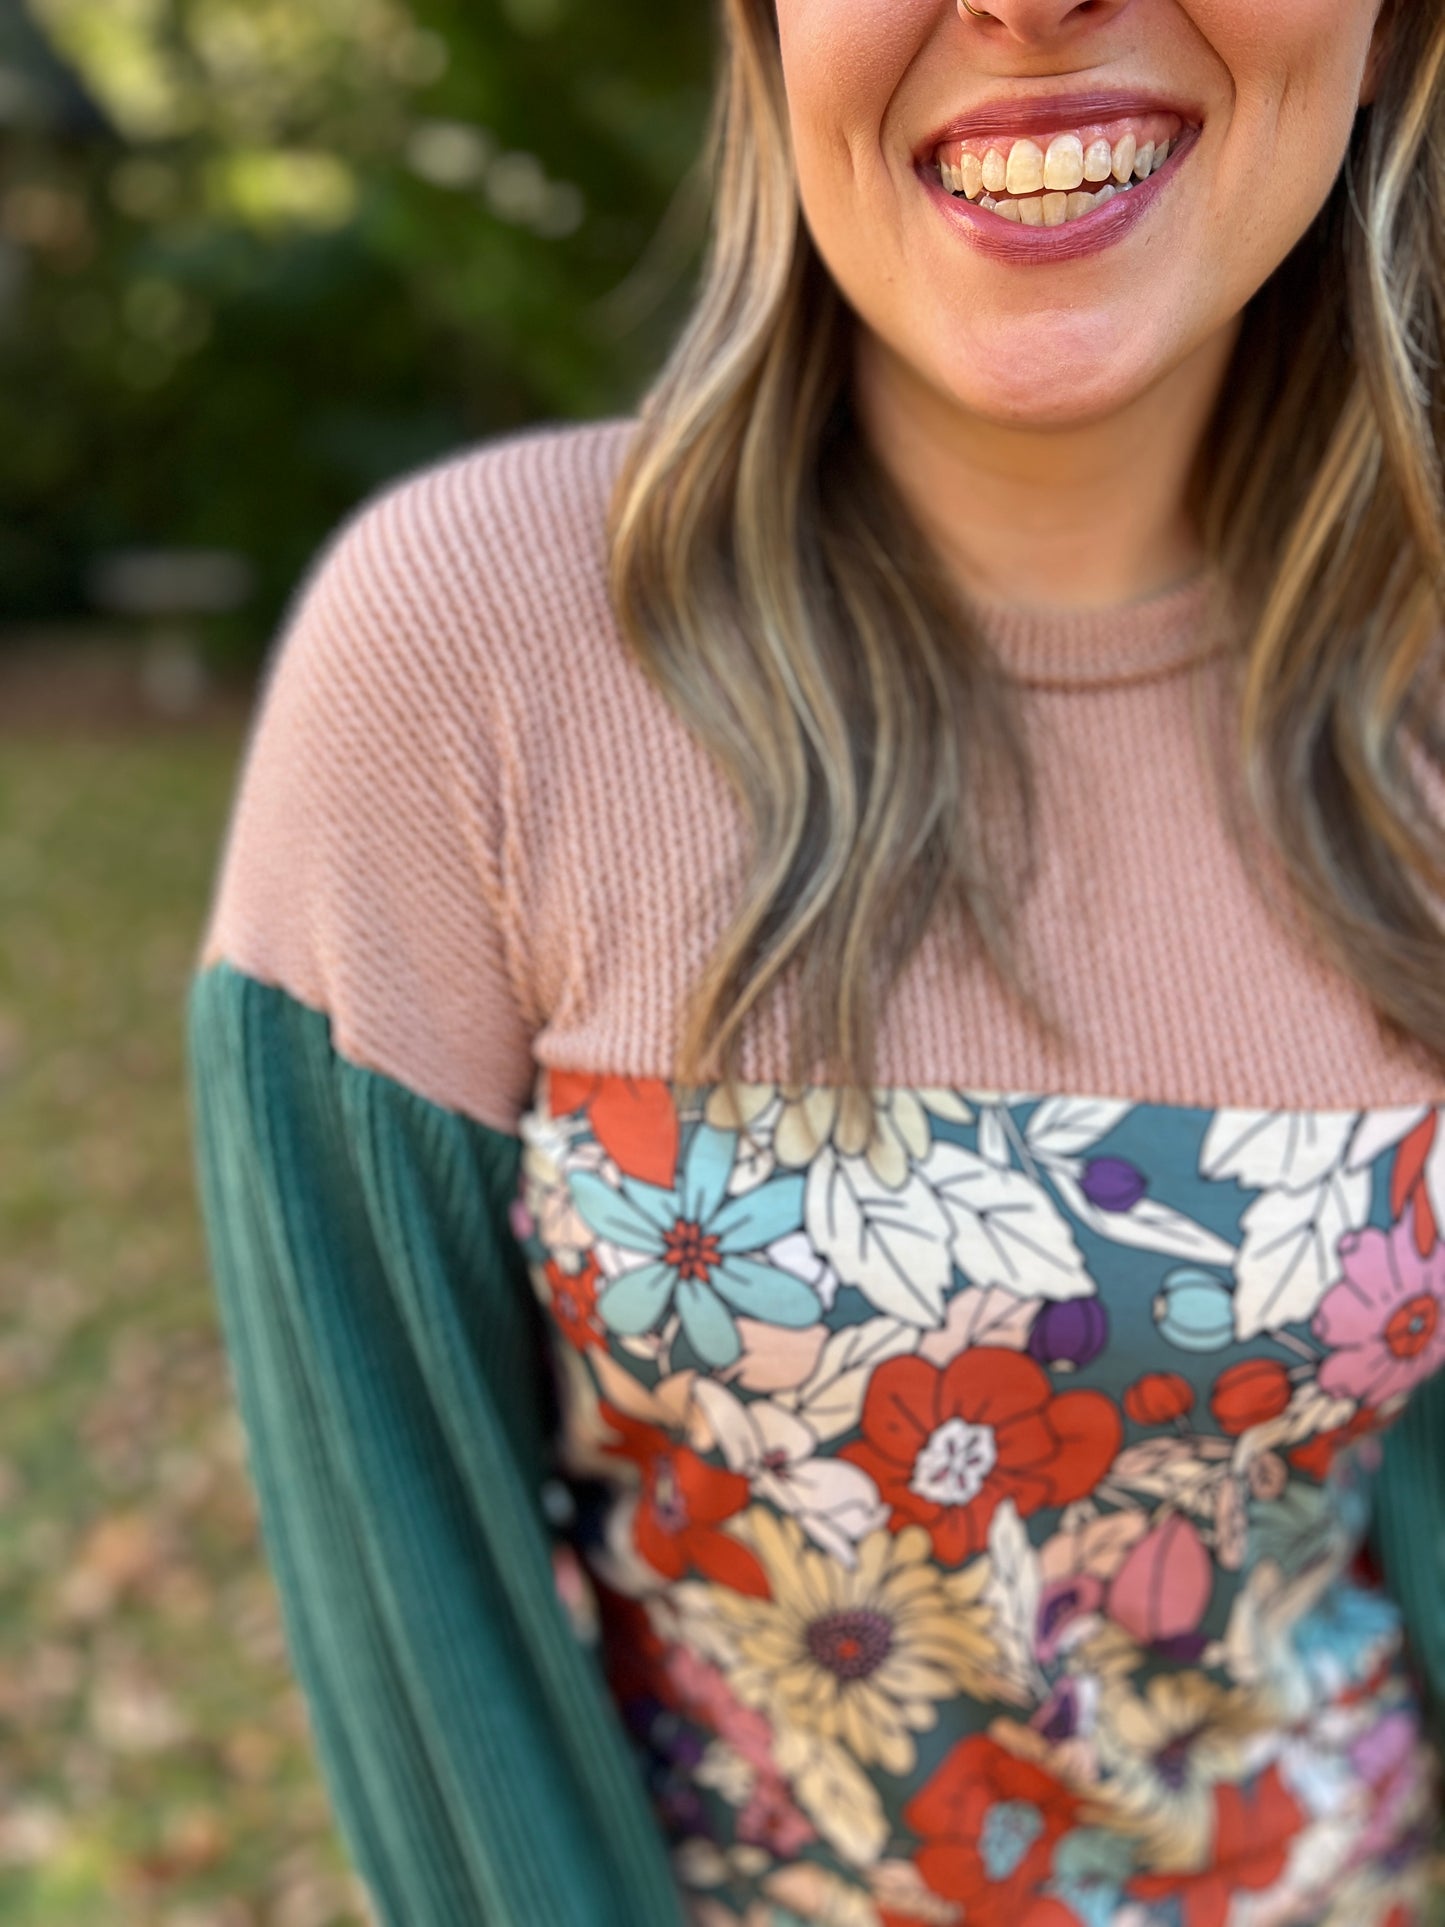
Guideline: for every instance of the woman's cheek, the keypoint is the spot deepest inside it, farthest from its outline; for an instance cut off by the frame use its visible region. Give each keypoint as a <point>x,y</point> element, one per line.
<point>843,63</point>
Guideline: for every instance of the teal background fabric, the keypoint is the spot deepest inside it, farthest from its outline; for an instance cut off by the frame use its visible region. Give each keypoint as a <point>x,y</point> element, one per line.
<point>388,1364</point>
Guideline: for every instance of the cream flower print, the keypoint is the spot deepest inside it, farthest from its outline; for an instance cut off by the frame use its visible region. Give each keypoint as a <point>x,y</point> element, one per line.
<point>861,1656</point>
<point>835,1502</point>
<point>1167,1746</point>
<point>810,1116</point>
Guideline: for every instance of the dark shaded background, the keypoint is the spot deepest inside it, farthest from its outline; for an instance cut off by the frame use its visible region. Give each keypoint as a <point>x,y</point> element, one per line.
<point>257,257</point>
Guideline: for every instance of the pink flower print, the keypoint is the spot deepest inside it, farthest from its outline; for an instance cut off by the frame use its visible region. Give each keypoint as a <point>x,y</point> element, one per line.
<point>706,1695</point>
<point>1384,1323</point>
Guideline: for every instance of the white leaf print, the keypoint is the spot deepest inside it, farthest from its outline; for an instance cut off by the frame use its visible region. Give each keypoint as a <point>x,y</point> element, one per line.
<point>1006,1229</point>
<point>746,1433</point>
<point>1012,1591</point>
<point>1435,1170</point>
<point>832,1399</point>
<point>1379,1131</point>
<point>834,1502</point>
<point>891,1244</point>
<point>993,1139</point>
<point>1148,1226</point>
<point>1268,1148</point>
<point>1289,1257</point>
<point>837,1504</point>
<point>834,1792</point>
<point>1065,1127</point>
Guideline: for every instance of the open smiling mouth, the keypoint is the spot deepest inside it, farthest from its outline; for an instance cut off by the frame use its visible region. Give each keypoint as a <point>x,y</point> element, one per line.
<point>1055,179</point>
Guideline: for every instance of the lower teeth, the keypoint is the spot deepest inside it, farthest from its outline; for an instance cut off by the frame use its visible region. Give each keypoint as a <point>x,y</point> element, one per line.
<point>1051,209</point>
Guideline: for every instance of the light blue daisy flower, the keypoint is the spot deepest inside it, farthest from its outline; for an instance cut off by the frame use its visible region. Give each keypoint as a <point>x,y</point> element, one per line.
<point>1090,1869</point>
<point>698,1243</point>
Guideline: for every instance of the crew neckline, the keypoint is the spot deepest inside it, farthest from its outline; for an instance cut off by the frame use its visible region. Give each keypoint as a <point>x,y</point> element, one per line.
<point>1122,642</point>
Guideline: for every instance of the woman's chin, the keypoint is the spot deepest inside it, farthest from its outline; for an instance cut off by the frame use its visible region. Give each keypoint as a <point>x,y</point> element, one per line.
<point>1043,392</point>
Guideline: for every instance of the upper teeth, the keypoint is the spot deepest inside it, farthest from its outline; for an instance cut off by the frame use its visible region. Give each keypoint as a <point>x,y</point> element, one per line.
<point>1067,162</point>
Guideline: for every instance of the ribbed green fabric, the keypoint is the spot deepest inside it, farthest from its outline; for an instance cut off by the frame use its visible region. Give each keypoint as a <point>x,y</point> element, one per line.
<point>385,1347</point>
<point>1407,1538</point>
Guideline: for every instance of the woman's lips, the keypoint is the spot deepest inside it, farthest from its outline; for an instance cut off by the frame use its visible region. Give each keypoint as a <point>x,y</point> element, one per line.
<point>1048,114</point>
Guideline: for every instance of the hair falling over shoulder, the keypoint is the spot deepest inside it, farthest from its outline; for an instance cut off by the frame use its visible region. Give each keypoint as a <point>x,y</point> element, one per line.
<point>771,583</point>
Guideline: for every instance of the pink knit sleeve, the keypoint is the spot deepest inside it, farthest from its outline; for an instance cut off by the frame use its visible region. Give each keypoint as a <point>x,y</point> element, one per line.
<point>365,868</point>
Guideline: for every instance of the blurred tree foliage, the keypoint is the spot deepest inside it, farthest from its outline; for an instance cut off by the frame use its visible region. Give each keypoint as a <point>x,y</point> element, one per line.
<point>330,239</point>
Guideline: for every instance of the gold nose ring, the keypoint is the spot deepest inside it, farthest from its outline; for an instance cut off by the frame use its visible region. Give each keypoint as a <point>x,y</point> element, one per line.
<point>977,12</point>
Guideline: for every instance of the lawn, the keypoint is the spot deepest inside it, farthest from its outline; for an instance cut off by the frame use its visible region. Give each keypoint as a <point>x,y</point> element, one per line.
<point>154,1763</point>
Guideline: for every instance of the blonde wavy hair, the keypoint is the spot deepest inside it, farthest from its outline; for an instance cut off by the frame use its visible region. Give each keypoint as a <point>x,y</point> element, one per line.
<point>770,581</point>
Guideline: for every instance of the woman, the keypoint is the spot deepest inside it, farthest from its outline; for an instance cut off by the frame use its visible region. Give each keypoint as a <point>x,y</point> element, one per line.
<point>832,1001</point>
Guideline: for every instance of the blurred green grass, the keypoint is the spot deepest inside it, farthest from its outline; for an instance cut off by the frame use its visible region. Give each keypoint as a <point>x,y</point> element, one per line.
<point>155,1769</point>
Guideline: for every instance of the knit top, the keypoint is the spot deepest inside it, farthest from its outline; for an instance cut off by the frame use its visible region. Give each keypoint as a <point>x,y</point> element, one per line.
<point>689,1512</point>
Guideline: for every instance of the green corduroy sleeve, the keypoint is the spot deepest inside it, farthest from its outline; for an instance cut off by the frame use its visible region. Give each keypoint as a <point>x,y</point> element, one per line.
<point>1407,1535</point>
<point>384,1347</point>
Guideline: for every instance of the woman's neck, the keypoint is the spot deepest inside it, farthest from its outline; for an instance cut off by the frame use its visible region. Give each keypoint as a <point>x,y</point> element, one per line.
<point>1075,516</point>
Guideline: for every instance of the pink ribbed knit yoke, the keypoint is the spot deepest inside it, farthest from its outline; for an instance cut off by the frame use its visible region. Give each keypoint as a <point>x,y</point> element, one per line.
<point>479,838</point>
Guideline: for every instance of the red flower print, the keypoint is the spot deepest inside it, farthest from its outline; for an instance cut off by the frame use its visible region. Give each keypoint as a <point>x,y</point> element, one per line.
<point>945,1444</point>
<point>683,1499</point>
<point>634,1119</point>
<point>989,1821</point>
<point>574,1301</point>
<point>1158,1397</point>
<point>1248,1393</point>
<point>1407,1183</point>
<point>1251,1844</point>
<point>633,1656</point>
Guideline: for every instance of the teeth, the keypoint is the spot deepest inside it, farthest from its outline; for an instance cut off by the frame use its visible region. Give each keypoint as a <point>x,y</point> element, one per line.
<point>1027,169</point>
<point>1025,172</point>
<point>1064,162</point>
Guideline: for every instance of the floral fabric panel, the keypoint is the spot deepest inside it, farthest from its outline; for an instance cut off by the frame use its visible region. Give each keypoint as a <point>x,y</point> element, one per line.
<point>973,1514</point>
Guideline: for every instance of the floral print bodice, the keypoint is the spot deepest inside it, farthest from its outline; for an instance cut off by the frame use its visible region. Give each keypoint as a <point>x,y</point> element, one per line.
<point>974,1507</point>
